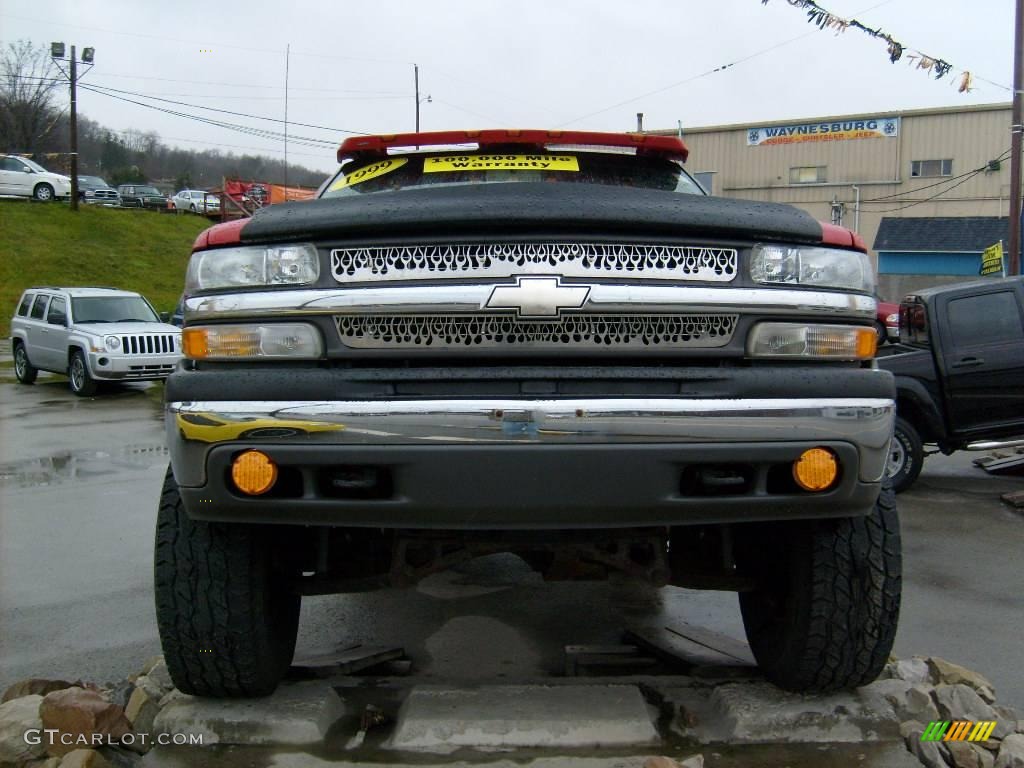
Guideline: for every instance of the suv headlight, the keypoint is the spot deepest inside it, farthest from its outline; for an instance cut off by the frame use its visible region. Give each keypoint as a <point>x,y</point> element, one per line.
<point>824,267</point>
<point>252,266</point>
<point>112,343</point>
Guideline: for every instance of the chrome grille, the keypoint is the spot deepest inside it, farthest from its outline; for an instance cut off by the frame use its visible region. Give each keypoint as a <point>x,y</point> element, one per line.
<point>508,331</point>
<point>148,344</point>
<point>489,260</point>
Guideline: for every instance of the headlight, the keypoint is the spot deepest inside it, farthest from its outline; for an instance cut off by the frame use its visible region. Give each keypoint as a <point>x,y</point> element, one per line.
<point>824,267</point>
<point>234,342</point>
<point>814,342</point>
<point>112,343</point>
<point>893,319</point>
<point>252,266</point>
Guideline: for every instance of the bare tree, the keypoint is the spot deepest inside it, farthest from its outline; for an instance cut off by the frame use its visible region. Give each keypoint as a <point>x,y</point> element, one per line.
<point>28,80</point>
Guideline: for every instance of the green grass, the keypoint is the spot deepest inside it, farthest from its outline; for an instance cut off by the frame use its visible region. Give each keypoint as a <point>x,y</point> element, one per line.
<point>48,244</point>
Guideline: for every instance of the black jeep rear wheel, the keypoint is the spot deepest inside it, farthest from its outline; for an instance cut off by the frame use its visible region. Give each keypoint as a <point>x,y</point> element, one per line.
<point>227,616</point>
<point>824,616</point>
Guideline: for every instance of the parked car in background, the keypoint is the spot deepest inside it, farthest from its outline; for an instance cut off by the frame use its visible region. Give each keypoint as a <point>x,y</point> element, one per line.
<point>958,368</point>
<point>91,335</point>
<point>887,322</point>
<point>26,178</point>
<point>95,191</point>
<point>196,201</point>
<point>142,196</point>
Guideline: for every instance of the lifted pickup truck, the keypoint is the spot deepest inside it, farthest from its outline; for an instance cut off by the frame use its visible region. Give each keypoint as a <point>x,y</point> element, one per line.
<point>959,371</point>
<point>547,343</point>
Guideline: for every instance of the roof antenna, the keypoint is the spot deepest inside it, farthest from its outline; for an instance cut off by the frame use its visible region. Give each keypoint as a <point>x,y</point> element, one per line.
<point>639,122</point>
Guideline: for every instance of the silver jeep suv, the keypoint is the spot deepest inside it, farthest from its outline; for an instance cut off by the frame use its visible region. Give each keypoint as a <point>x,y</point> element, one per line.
<point>91,335</point>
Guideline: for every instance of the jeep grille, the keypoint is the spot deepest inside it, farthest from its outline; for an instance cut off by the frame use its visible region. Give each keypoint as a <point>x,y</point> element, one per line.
<point>148,344</point>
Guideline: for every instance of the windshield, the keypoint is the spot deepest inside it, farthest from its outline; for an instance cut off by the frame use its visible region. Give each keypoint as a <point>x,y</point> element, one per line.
<point>112,309</point>
<point>147,191</point>
<point>494,166</point>
<point>92,181</point>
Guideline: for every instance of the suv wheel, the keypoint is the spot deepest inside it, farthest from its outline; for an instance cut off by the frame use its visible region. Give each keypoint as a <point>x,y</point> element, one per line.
<point>82,383</point>
<point>824,617</point>
<point>24,370</point>
<point>906,455</point>
<point>43,192</point>
<point>227,619</point>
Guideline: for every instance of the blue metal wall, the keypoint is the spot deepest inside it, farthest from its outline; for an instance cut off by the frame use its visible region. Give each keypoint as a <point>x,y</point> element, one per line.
<point>921,263</point>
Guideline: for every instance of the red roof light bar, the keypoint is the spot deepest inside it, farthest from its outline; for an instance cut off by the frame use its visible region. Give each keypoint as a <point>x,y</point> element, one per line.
<point>666,146</point>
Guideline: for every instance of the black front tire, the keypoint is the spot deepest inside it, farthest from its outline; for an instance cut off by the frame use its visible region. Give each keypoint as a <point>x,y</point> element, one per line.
<point>24,371</point>
<point>81,381</point>
<point>43,192</point>
<point>227,618</point>
<point>824,615</point>
<point>906,455</point>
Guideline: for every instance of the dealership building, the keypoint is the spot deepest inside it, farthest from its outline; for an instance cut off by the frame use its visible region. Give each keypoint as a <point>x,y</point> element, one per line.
<point>927,189</point>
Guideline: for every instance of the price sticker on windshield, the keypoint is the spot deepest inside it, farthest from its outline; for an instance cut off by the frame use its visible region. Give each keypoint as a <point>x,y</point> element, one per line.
<point>367,172</point>
<point>453,163</point>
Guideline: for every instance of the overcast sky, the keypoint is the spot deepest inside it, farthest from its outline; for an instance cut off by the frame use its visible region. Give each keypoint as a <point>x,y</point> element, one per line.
<point>558,63</point>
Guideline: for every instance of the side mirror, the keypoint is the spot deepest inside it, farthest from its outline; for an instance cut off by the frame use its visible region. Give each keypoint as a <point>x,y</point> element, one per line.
<point>26,169</point>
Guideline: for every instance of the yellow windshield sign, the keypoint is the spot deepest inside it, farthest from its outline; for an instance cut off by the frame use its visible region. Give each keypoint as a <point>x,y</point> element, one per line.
<point>368,172</point>
<point>455,163</point>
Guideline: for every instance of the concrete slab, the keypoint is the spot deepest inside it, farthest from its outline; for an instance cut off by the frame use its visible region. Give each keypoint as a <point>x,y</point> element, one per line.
<point>757,712</point>
<point>442,719</point>
<point>760,755</point>
<point>296,715</point>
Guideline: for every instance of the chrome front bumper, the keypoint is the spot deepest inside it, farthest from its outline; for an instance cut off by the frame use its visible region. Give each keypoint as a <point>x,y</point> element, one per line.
<point>196,428</point>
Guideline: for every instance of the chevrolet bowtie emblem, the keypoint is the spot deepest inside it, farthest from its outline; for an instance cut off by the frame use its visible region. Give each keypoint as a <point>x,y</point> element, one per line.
<point>538,297</point>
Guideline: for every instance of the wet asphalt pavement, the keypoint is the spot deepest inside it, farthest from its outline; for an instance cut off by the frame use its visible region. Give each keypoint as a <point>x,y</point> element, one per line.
<point>79,480</point>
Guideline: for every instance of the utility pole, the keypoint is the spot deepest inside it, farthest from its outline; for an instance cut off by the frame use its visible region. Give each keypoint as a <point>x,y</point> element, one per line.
<point>1015,139</point>
<point>88,54</point>
<point>74,130</point>
<point>416,78</point>
<point>287,62</point>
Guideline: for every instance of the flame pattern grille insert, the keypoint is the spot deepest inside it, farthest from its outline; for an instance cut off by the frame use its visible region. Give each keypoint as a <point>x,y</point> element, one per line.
<point>488,260</point>
<point>507,331</point>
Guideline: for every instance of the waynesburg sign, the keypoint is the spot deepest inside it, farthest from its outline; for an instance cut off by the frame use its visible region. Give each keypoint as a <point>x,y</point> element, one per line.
<point>839,130</point>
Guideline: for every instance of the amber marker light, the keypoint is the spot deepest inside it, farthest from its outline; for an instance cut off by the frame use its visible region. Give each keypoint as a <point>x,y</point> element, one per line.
<point>253,472</point>
<point>816,469</point>
<point>193,343</point>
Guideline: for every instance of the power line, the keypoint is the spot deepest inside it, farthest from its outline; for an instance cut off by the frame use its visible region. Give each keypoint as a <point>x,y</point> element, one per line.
<point>972,172</point>
<point>261,132</point>
<point>933,197</point>
<point>225,111</point>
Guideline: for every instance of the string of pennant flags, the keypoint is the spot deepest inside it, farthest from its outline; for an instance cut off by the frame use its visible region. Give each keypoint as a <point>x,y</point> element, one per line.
<point>933,65</point>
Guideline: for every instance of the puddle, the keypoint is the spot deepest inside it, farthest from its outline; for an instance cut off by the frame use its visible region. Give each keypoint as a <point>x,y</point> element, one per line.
<point>72,466</point>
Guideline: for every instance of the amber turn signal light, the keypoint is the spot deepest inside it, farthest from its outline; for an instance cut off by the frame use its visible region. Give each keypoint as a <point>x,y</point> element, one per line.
<point>253,472</point>
<point>816,469</point>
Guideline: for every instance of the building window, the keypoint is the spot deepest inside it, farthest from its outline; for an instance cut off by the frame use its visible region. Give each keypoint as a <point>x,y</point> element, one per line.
<point>808,174</point>
<point>705,180</point>
<point>920,168</point>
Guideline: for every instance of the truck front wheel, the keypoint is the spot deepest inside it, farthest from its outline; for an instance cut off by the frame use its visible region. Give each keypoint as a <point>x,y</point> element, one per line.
<point>227,617</point>
<point>824,614</point>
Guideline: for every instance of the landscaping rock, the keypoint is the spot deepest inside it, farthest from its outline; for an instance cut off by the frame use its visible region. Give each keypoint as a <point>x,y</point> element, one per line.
<point>80,714</point>
<point>948,673</point>
<point>84,758</point>
<point>151,662</point>
<point>963,754</point>
<point>914,671</point>
<point>33,686</point>
<point>119,693</point>
<point>961,702</point>
<point>1011,752</point>
<point>660,762</point>
<point>141,710</point>
<point>158,674</point>
<point>16,717</point>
